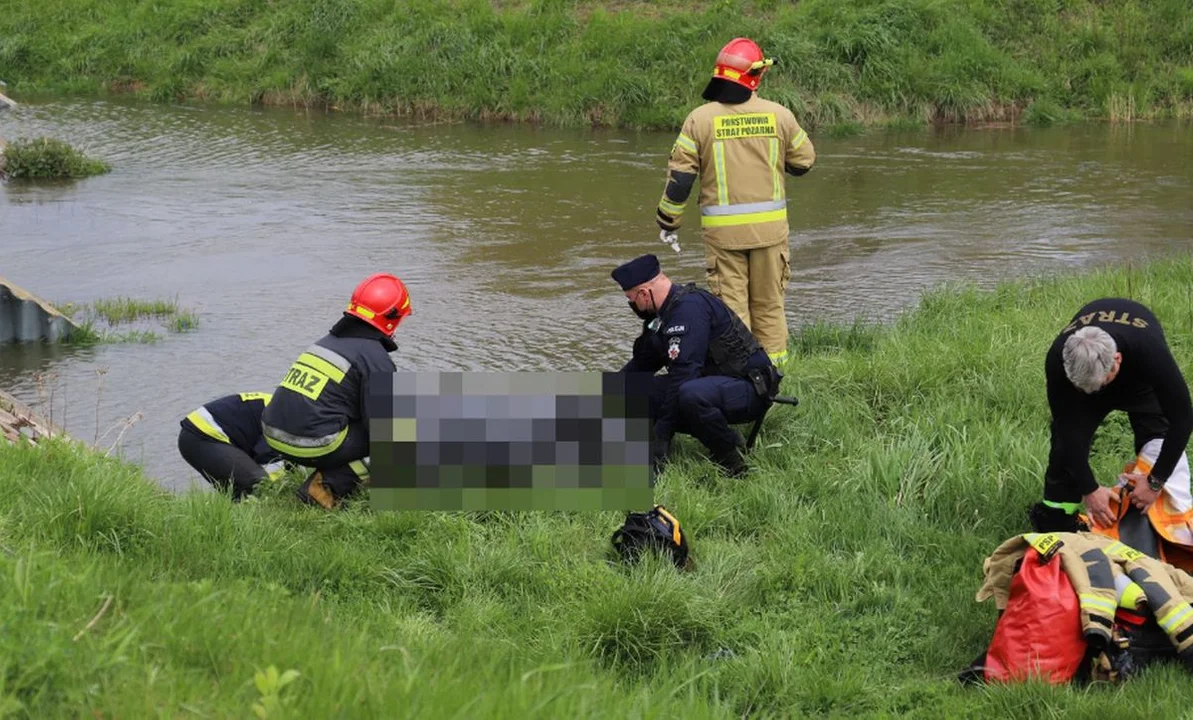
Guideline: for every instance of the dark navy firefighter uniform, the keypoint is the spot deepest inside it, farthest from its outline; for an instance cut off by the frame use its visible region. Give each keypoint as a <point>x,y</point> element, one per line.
<point>318,417</point>
<point>717,372</point>
<point>222,440</point>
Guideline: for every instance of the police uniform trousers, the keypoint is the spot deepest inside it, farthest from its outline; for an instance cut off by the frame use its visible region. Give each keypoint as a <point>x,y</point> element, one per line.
<point>707,406</point>
<point>222,464</point>
<point>753,283</point>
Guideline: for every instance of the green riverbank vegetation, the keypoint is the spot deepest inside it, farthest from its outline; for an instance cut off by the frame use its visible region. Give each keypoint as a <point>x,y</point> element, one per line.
<point>838,579</point>
<point>48,158</point>
<point>639,64</point>
<point>98,321</point>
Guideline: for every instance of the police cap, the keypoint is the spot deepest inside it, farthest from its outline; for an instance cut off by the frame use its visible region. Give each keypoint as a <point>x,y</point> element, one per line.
<point>636,271</point>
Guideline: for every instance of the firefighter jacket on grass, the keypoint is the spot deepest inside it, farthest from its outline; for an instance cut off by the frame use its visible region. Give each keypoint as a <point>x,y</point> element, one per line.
<point>741,153</point>
<point>1105,574</point>
<point>326,390</point>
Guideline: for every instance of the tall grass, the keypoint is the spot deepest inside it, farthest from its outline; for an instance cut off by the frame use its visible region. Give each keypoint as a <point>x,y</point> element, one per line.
<point>637,64</point>
<point>838,579</point>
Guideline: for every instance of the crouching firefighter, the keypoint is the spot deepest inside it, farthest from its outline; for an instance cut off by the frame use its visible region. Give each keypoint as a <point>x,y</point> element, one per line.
<point>717,372</point>
<point>222,441</point>
<point>318,416</point>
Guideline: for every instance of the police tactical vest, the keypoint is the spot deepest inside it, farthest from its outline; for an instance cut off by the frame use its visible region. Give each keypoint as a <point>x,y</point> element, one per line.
<point>729,352</point>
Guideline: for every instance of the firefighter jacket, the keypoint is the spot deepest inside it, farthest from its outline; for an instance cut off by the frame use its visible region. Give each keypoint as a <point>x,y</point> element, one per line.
<point>236,420</point>
<point>740,152</point>
<point>1105,574</point>
<point>326,390</point>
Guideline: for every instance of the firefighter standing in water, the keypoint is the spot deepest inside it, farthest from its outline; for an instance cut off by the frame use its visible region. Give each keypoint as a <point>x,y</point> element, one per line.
<point>318,417</point>
<point>740,145</point>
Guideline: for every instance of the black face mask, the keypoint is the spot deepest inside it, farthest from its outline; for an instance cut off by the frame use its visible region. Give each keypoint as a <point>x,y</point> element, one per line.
<point>644,314</point>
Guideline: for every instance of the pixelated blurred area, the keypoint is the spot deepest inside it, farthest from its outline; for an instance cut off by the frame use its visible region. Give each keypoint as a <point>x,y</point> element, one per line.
<point>510,441</point>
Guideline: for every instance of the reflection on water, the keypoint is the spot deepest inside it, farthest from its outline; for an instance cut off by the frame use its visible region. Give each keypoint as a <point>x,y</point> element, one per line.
<point>264,221</point>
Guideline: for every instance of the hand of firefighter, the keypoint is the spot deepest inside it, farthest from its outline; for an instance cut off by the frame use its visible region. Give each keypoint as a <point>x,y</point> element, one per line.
<point>1098,505</point>
<point>669,237</point>
<point>1142,496</point>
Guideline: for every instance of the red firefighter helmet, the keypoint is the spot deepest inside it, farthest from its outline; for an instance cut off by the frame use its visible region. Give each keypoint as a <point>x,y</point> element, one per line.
<point>741,61</point>
<point>380,300</point>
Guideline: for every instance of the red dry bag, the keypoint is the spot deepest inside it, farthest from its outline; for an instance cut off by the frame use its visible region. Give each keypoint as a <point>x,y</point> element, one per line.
<point>1039,633</point>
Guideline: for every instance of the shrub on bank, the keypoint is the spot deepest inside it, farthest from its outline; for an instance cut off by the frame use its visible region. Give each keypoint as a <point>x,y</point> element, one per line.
<point>45,157</point>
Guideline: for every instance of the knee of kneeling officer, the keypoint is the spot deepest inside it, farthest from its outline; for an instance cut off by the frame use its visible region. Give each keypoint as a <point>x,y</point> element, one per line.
<point>690,396</point>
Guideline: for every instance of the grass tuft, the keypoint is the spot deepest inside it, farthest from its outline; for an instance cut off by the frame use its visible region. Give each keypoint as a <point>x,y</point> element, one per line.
<point>97,321</point>
<point>48,158</point>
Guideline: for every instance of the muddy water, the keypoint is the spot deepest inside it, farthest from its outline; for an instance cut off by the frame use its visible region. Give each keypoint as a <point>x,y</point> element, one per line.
<point>263,221</point>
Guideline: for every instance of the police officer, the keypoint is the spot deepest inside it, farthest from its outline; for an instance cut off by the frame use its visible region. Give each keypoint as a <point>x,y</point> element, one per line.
<point>222,440</point>
<point>1113,356</point>
<point>740,146</point>
<point>717,373</point>
<point>318,416</point>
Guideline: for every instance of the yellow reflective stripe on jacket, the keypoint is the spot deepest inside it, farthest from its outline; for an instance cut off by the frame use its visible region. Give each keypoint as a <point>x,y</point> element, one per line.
<point>1096,602</point>
<point>322,366</point>
<point>776,173</point>
<point>1125,552</point>
<point>671,208</point>
<point>686,143</point>
<point>718,153</point>
<point>799,139</point>
<point>1175,617</point>
<point>328,362</point>
<point>203,420</point>
<point>743,213</point>
<point>250,396</point>
<point>714,221</point>
<point>296,446</point>
<point>1128,591</point>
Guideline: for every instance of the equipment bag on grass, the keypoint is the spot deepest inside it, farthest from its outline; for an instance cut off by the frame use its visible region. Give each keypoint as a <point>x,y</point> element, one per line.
<point>1039,634</point>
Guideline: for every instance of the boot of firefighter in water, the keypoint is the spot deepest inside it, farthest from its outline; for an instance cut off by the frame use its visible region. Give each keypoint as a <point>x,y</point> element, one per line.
<point>328,488</point>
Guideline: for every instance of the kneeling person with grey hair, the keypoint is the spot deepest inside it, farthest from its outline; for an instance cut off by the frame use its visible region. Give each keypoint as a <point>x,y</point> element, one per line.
<point>1113,356</point>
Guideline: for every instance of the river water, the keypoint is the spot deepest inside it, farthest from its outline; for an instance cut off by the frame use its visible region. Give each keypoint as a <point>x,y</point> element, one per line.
<point>263,221</point>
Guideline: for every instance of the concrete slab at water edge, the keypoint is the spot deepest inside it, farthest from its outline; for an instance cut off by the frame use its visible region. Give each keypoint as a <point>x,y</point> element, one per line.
<point>6,103</point>
<point>24,317</point>
<point>19,420</point>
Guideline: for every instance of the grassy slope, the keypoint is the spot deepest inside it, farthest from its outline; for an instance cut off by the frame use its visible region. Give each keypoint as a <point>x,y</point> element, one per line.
<point>640,64</point>
<point>841,575</point>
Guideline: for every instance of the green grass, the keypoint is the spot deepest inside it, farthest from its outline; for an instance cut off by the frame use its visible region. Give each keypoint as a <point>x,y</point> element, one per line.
<point>184,320</point>
<point>840,576</point>
<point>628,63</point>
<point>96,321</point>
<point>48,158</point>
